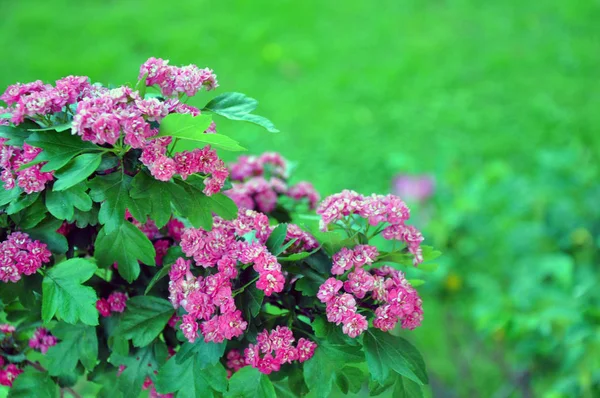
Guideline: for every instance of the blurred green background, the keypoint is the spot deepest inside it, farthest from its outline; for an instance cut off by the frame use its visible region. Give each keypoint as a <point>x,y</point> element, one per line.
<point>498,101</point>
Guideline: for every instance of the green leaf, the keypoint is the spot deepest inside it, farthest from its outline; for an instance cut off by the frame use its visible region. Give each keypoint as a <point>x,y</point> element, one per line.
<point>144,319</point>
<point>61,204</point>
<point>58,148</point>
<point>416,282</point>
<point>208,353</point>
<point>64,295</point>
<point>16,135</point>
<point>164,271</point>
<point>252,301</point>
<point>237,106</point>
<point>189,379</point>
<point>156,194</point>
<point>429,253</point>
<point>248,382</point>
<point>141,86</point>
<point>139,365</point>
<point>33,383</point>
<point>405,388</point>
<point>428,267</point>
<point>124,246</point>
<point>298,256</point>
<point>320,371</point>
<point>46,232</point>
<point>78,343</point>
<point>112,191</point>
<point>76,171</point>
<point>188,127</point>
<point>198,208</point>
<point>9,195</point>
<point>350,379</point>
<point>276,239</point>
<point>59,127</point>
<point>387,353</point>
<point>31,216</point>
<point>84,218</point>
<point>22,202</point>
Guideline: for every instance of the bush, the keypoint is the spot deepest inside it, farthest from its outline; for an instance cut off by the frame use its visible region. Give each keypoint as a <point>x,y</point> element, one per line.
<point>127,264</point>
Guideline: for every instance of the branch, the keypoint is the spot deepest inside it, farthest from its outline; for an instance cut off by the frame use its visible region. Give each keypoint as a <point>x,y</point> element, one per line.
<point>39,367</point>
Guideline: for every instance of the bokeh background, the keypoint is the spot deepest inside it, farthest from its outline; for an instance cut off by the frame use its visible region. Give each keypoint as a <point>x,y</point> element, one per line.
<point>498,102</point>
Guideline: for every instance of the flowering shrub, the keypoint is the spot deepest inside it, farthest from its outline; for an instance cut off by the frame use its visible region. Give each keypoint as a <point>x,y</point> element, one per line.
<point>133,258</point>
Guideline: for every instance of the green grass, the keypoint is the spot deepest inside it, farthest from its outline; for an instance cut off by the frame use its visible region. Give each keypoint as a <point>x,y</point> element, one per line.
<point>360,90</point>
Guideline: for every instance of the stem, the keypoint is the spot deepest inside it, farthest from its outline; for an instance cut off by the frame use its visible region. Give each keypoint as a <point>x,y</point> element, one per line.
<point>39,367</point>
<point>170,151</point>
<point>241,289</point>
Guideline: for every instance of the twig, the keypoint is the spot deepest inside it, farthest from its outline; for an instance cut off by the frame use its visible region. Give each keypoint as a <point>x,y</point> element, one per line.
<point>39,367</point>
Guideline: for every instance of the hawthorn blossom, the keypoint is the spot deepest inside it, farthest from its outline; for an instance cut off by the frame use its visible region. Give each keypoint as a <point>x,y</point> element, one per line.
<point>277,348</point>
<point>20,255</point>
<point>42,340</point>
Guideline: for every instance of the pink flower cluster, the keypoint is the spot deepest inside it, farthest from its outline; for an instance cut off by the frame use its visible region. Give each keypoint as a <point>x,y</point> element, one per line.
<point>397,298</point>
<point>36,99</point>
<point>21,255</point>
<point>186,163</point>
<point>31,179</point>
<point>259,181</point>
<point>104,116</point>
<point>303,241</point>
<point>418,187</point>
<point>116,302</point>
<point>42,340</point>
<point>177,81</point>
<point>7,329</point>
<point>272,350</point>
<point>376,209</point>
<point>222,248</point>
<point>8,373</point>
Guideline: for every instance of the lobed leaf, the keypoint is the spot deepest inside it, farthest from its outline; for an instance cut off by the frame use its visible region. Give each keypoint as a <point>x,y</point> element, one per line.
<point>64,295</point>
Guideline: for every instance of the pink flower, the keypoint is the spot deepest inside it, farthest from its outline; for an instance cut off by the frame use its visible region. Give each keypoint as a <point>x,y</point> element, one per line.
<point>304,190</point>
<point>199,305</point>
<point>136,131</point>
<point>306,349</point>
<point>328,290</point>
<point>175,228</point>
<point>117,301</point>
<point>8,375</point>
<point>161,247</point>
<point>6,328</point>
<point>270,282</point>
<point>42,340</point>
<point>342,261</point>
<point>211,330</point>
<point>359,283</point>
<point>419,187</point>
<point>156,69</point>
<point>189,327</point>
<point>364,254</point>
<point>103,307</point>
<point>385,319</point>
<point>354,325</point>
<point>179,269</point>
<point>232,325</point>
<point>152,108</point>
<point>340,307</point>
<point>163,168</point>
<point>235,360</point>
